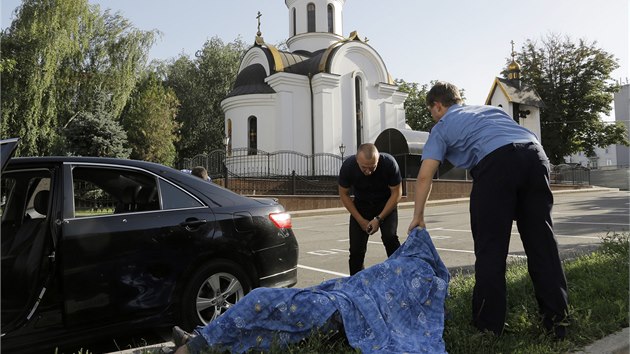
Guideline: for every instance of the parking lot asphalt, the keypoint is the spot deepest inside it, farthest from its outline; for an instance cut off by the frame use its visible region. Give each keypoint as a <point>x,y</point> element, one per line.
<point>613,344</point>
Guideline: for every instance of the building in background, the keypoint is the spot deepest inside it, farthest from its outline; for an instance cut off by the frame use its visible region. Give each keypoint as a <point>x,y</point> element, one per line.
<point>324,92</point>
<point>613,156</point>
<point>519,101</point>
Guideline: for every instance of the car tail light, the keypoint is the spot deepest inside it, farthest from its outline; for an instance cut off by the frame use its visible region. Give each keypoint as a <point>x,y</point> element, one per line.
<point>281,220</point>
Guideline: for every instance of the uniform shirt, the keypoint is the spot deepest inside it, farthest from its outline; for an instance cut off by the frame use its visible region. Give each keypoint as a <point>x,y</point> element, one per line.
<point>466,134</point>
<point>372,188</point>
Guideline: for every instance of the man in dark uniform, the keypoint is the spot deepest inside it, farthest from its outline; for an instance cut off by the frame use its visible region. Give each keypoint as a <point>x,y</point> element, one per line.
<point>376,183</point>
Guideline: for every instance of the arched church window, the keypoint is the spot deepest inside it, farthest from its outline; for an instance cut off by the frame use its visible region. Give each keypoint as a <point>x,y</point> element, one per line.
<point>310,17</point>
<point>294,23</point>
<point>358,99</point>
<point>331,18</point>
<point>252,136</point>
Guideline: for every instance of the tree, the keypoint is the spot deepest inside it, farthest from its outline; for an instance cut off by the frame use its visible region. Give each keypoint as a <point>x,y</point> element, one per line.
<point>574,81</point>
<point>417,114</point>
<point>149,120</point>
<point>201,84</point>
<point>96,133</point>
<point>58,57</point>
<point>42,35</point>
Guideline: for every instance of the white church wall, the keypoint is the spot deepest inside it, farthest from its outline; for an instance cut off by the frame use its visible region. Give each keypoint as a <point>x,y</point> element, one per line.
<point>358,59</point>
<point>346,118</point>
<point>293,112</point>
<point>311,42</point>
<point>498,99</point>
<point>532,122</point>
<point>239,108</point>
<point>399,98</point>
<point>325,107</point>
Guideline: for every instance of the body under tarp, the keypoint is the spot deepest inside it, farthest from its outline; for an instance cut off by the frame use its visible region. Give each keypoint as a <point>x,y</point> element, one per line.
<point>395,306</point>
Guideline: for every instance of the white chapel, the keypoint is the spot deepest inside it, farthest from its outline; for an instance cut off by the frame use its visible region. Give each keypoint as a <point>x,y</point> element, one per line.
<point>325,90</point>
<point>518,100</point>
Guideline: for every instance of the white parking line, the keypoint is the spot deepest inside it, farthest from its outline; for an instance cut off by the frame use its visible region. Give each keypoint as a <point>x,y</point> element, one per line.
<point>591,223</point>
<point>576,236</point>
<point>323,271</point>
<point>473,252</point>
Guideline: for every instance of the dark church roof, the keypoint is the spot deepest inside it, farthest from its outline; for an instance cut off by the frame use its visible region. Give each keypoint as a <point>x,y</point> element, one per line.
<point>522,95</point>
<point>251,80</point>
<point>302,62</point>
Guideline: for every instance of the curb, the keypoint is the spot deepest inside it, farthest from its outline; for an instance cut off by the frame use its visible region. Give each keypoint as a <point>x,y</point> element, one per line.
<point>410,205</point>
<point>616,343</point>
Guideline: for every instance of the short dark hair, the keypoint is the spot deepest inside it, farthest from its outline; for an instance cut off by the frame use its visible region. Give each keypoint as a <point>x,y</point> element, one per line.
<point>445,93</point>
<point>368,150</point>
<point>200,172</point>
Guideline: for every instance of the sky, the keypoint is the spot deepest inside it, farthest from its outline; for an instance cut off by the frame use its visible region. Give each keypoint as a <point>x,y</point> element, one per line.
<point>465,42</point>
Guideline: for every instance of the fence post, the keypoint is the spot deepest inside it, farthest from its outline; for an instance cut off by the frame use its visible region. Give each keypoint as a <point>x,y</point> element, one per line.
<point>225,172</point>
<point>293,183</point>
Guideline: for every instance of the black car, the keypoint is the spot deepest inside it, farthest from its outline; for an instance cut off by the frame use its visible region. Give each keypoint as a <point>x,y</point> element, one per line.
<point>101,246</point>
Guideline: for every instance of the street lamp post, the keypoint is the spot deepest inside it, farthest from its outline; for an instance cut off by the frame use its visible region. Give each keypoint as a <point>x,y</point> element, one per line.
<point>342,149</point>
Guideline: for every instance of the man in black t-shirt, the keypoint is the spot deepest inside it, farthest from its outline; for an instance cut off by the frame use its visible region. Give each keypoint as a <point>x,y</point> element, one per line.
<point>376,184</point>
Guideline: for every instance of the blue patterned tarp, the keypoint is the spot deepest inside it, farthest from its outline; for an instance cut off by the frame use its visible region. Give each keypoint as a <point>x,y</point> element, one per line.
<point>392,307</point>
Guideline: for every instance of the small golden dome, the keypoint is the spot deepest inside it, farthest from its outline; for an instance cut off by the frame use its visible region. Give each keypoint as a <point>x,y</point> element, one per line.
<point>514,66</point>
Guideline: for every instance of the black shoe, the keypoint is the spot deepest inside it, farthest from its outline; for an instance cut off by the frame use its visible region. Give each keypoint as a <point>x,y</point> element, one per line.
<point>180,337</point>
<point>556,329</point>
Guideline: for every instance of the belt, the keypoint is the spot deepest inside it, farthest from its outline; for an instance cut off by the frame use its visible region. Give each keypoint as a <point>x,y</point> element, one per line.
<point>505,147</point>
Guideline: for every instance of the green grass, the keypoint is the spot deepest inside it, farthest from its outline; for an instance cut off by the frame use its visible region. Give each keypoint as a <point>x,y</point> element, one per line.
<point>598,305</point>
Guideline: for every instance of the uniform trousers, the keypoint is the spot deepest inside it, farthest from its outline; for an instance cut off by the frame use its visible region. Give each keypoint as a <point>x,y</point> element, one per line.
<point>512,183</point>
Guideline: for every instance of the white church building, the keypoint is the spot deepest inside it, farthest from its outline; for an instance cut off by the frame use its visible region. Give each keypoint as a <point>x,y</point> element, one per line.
<point>325,91</point>
<point>519,101</point>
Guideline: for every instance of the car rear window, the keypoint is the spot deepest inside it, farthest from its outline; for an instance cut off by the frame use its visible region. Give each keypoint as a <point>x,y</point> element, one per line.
<point>105,191</point>
<point>175,198</point>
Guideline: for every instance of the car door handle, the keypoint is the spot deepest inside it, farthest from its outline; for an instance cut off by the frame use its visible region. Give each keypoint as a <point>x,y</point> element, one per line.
<point>192,224</point>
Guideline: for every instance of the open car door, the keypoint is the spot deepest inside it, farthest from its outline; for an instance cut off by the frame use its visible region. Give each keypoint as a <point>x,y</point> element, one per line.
<point>8,147</point>
<point>28,254</point>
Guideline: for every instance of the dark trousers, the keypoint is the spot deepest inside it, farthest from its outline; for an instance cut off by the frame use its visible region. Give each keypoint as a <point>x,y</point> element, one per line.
<point>359,238</point>
<point>512,183</point>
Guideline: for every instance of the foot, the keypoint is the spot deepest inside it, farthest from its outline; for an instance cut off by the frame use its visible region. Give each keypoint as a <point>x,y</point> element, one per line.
<point>180,337</point>
<point>557,329</point>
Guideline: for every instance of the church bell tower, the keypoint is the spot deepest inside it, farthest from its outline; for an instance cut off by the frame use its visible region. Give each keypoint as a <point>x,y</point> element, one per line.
<point>314,24</point>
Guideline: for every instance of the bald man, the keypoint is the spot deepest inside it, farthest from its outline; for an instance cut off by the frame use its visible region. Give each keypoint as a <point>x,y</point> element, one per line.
<point>377,187</point>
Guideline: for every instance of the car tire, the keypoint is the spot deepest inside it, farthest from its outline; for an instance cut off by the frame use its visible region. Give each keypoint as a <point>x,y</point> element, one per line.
<point>211,291</point>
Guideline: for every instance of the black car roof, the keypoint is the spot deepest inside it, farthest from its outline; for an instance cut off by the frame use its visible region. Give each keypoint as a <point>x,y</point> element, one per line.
<point>83,159</point>
<point>214,193</point>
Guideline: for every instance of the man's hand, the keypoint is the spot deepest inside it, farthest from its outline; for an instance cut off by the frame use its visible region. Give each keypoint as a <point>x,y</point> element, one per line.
<point>416,222</point>
<point>372,226</point>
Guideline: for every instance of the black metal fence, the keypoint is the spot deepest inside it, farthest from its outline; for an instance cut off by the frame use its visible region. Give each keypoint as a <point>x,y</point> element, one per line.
<point>573,174</point>
<point>257,172</point>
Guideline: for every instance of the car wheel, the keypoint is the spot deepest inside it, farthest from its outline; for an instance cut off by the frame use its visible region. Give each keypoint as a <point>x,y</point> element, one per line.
<point>211,291</point>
